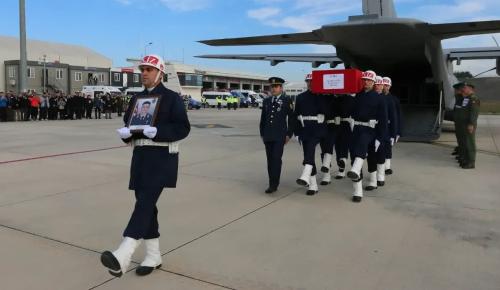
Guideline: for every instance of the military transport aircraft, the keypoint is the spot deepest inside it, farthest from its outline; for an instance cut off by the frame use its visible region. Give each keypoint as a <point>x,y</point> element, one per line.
<point>410,53</point>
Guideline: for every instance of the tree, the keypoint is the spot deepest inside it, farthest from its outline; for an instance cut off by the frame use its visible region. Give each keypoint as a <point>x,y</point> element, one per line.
<point>462,75</point>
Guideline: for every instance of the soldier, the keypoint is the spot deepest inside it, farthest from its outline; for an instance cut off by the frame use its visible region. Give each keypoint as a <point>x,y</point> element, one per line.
<point>394,125</point>
<point>376,159</point>
<point>276,129</point>
<point>310,128</point>
<point>466,115</point>
<point>369,109</point>
<point>154,167</point>
<point>344,107</point>
<point>328,141</point>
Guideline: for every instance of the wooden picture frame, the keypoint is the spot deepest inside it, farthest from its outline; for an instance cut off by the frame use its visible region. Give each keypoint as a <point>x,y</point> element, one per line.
<point>144,111</point>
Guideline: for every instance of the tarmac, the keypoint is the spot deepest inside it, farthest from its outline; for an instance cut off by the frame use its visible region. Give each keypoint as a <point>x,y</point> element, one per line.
<point>64,200</point>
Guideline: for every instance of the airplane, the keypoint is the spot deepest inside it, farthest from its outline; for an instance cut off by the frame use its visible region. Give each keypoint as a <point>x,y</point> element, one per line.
<point>410,52</point>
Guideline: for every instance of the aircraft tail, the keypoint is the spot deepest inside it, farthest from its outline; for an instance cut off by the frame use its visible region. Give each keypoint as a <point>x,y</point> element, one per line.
<point>382,8</point>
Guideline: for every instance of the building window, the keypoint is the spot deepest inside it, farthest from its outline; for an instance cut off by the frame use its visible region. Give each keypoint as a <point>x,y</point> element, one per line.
<point>12,72</point>
<point>116,77</point>
<point>59,74</point>
<point>101,78</point>
<point>78,76</point>
<point>136,78</point>
<point>31,72</point>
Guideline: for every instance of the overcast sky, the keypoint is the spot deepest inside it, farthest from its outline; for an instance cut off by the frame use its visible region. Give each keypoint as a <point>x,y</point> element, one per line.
<point>123,28</point>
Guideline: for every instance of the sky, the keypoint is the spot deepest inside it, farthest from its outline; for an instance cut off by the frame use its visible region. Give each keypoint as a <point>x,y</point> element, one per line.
<point>120,29</point>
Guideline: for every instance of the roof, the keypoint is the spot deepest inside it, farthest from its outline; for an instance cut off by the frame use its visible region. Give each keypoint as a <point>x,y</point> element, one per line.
<point>64,53</point>
<point>184,68</point>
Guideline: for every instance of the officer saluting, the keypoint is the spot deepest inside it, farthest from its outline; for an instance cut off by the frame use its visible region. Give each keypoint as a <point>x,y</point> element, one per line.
<point>154,167</point>
<point>275,129</point>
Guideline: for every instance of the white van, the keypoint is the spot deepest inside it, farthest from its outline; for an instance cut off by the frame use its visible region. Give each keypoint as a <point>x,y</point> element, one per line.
<point>211,98</point>
<point>100,90</point>
<point>133,91</point>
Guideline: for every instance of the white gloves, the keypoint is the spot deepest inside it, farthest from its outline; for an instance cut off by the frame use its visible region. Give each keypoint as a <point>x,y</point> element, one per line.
<point>150,132</point>
<point>124,132</point>
<point>321,118</point>
<point>397,138</point>
<point>392,141</point>
<point>377,144</point>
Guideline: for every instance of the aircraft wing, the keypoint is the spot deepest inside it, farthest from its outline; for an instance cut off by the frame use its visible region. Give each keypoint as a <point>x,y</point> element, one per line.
<point>313,37</point>
<point>472,53</point>
<point>450,30</point>
<point>316,59</point>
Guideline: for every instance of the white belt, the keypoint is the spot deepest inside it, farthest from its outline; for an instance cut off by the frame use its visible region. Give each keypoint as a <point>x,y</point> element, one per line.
<point>371,123</point>
<point>173,147</point>
<point>320,118</point>
<point>333,121</point>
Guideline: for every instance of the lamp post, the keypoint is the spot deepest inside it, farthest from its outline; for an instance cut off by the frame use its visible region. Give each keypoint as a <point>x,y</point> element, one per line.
<point>146,46</point>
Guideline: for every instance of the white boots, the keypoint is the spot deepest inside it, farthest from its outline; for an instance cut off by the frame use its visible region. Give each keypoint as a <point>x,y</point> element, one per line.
<point>306,175</point>
<point>325,168</point>
<point>327,163</point>
<point>341,173</point>
<point>372,183</point>
<point>326,179</point>
<point>153,258</point>
<point>388,170</point>
<point>357,195</point>
<point>380,174</point>
<point>355,171</point>
<point>118,261</point>
<point>313,186</point>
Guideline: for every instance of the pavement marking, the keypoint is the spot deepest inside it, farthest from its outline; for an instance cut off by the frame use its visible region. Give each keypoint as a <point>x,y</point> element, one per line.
<point>61,154</point>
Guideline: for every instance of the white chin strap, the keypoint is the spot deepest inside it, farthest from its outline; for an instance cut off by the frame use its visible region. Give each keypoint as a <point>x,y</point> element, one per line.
<point>157,76</point>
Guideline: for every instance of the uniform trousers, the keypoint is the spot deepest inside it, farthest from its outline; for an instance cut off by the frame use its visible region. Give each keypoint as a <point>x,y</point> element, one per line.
<point>274,153</point>
<point>309,148</point>
<point>143,223</point>
<point>342,141</point>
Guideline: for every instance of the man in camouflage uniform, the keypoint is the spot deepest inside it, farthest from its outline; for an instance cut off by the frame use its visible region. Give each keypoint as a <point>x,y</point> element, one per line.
<point>466,114</point>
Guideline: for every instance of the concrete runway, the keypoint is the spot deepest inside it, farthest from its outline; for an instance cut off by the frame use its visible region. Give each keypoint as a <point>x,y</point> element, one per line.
<point>64,199</point>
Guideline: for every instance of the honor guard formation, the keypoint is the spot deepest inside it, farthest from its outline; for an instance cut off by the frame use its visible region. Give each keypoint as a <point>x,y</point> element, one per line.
<point>364,126</point>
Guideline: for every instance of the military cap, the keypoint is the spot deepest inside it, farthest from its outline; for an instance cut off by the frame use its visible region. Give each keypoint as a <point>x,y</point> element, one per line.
<point>463,84</point>
<point>276,81</point>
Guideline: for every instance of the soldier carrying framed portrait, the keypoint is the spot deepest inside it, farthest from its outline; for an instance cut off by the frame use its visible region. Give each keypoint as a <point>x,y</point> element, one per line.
<point>145,109</point>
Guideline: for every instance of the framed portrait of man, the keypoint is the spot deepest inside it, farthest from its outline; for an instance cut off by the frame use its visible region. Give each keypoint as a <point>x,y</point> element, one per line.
<point>145,109</point>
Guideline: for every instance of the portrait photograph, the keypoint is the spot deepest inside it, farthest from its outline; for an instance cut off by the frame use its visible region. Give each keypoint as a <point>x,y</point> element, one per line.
<point>144,112</point>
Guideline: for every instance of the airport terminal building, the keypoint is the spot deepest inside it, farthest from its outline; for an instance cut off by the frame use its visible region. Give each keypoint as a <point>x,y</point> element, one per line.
<point>193,80</point>
<point>53,66</point>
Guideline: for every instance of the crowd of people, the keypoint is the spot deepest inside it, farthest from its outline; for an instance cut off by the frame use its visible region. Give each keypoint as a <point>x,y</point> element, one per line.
<point>31,106</point>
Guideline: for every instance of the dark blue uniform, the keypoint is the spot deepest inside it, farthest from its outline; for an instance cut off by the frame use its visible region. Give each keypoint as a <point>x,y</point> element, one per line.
<point>275,125</point>
<point>368,106</point>
<point>308,104</point>
<point>344,104</point>
<point>153,167</point>
<point>330,104</point>
<point>393,126</point>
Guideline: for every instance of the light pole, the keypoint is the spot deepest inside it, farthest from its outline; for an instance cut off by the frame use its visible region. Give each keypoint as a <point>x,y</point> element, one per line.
<point>22,48</point>
<point>146,46</point>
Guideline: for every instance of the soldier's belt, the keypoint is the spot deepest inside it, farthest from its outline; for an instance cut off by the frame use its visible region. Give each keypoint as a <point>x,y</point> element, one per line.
<point>345,120</point>
<point>371,123</point>
<point>173,147</point>
<point>320,118</point>
<point>332,121</point>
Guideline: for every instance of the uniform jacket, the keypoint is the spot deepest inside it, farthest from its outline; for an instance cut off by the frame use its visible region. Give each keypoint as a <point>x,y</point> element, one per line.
<point>467,111</point>
<point>309,104</point>
<point>276,119</point>
<point>371,106</point>
<point>154,166</point>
